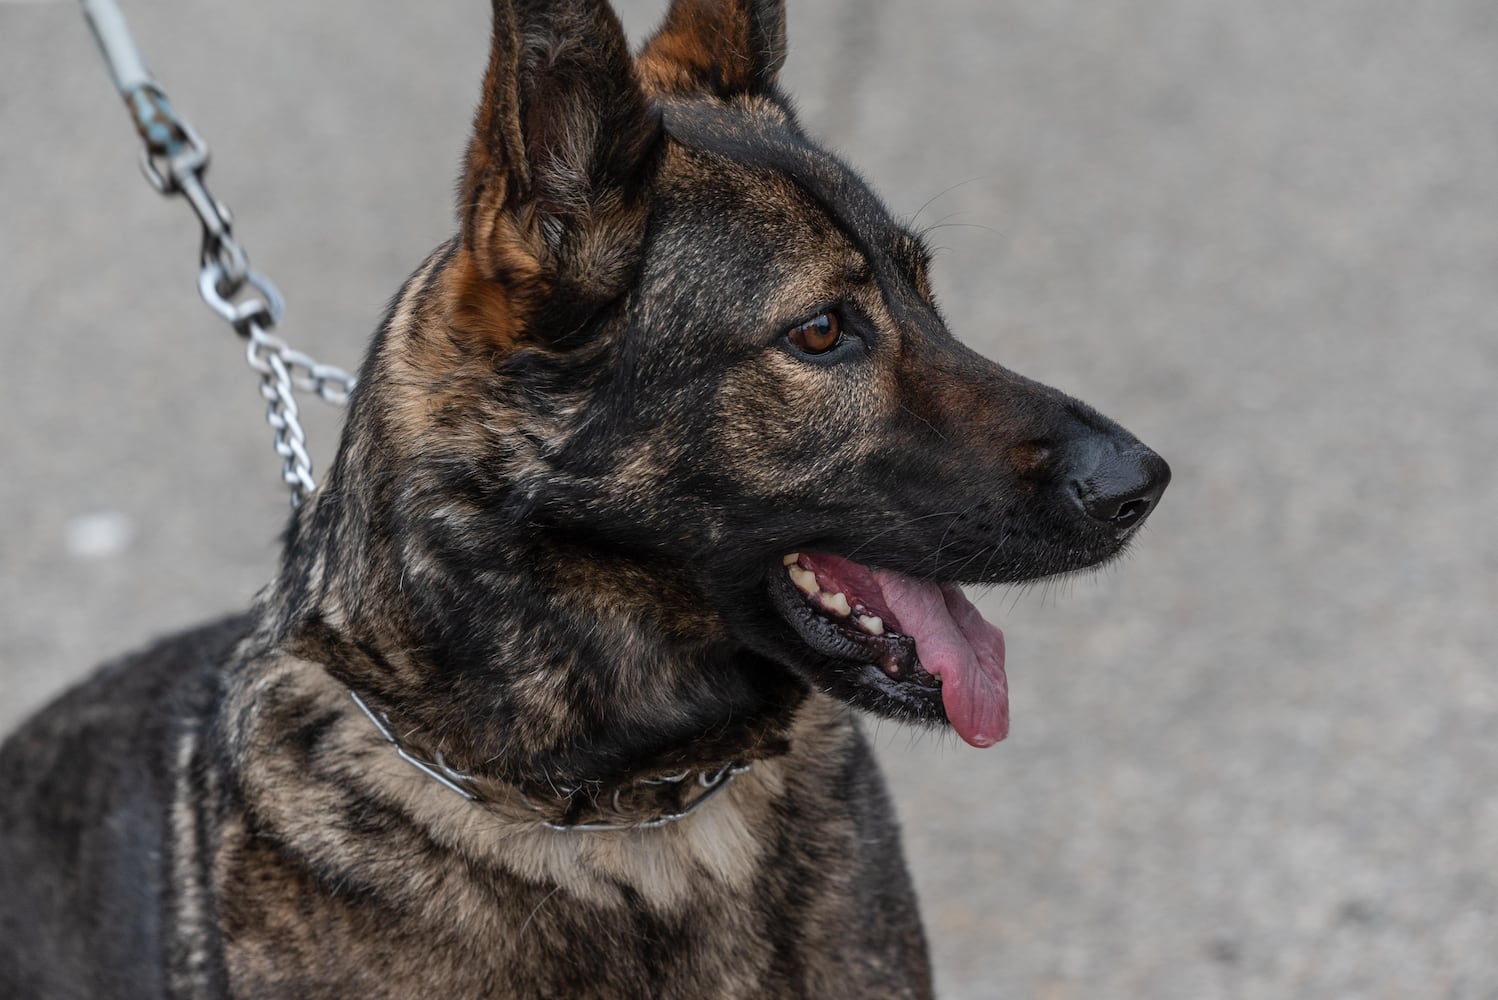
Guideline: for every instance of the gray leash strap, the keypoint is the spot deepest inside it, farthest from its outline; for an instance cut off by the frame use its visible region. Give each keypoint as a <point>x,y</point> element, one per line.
<point>174,159</point>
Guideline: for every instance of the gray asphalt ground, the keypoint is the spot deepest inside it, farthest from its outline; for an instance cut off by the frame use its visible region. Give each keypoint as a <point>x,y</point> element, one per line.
<point>1258,759</point>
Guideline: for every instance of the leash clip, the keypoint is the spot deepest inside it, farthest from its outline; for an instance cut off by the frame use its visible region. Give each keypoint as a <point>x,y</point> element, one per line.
<point>174,159</point>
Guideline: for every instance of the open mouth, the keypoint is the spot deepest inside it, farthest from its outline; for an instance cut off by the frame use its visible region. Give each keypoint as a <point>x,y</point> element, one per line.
<point>925,647</point>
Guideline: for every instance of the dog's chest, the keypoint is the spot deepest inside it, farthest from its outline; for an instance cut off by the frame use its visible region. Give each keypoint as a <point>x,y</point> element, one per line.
<point>711,911</point>
<point>345,872</point>
<point>486,935</point>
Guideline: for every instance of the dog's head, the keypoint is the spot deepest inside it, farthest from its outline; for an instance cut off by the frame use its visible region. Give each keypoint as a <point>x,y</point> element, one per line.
<point>681,384</point>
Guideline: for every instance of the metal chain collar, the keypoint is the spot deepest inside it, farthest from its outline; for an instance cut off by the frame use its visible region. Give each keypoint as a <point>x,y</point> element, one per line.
<point>175,160</point>
<point>461,782</point>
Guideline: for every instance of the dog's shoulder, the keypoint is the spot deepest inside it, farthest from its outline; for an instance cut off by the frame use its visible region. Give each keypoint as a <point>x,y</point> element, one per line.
<point>85,846</point>
<point>124,705</point>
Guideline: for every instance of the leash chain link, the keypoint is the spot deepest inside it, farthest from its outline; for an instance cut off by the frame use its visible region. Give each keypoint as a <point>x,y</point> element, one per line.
<point>174,159</point>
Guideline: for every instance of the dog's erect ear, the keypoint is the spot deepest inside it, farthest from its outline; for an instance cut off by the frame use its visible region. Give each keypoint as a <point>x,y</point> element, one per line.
<point>718,47</point>
<point>552,202</point>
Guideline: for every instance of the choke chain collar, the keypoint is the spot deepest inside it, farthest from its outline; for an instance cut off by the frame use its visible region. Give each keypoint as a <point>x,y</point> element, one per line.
<point>710,783</point>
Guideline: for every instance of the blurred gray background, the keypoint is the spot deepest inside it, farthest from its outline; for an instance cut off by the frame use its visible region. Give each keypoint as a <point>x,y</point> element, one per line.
<point>1257,759</point>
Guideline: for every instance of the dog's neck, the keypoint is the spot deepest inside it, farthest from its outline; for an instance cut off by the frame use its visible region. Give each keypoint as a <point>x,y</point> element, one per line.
<point>523,678</point>
<point>315,775</point>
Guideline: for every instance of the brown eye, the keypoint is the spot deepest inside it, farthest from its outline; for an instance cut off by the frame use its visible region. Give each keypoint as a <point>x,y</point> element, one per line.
<point>818,336</point>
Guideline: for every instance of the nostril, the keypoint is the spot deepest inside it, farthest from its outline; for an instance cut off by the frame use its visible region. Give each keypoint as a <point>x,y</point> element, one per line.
<point>1132,511</point>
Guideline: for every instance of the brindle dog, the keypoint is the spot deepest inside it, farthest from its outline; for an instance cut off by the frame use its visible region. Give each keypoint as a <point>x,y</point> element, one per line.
<point>653,471</point>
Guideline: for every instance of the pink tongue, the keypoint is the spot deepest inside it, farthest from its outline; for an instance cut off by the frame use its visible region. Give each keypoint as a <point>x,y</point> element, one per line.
<point>952,640</point>
<point>955,643</point>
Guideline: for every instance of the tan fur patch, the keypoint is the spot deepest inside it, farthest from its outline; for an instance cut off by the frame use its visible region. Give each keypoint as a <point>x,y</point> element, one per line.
<point>482,310</point>
<point>712,46</point>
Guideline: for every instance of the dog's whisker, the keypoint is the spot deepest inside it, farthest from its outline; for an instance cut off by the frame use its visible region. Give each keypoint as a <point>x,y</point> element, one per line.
<point>904,406</point>
<point>907,522</point>
<point>957,225</point>
<point>913,219</point>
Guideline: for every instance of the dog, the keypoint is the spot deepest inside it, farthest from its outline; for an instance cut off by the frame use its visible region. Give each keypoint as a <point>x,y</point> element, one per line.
<point>659,468</point>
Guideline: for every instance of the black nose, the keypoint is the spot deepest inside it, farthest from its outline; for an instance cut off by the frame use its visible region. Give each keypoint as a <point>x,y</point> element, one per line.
<point>1118,486</point>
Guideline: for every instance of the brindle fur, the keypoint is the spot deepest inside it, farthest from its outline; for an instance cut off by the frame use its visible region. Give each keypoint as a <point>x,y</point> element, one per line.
<point>579,447</point>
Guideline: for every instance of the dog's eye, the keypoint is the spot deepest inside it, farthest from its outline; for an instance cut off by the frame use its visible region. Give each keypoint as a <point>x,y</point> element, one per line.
<point>817,336</point>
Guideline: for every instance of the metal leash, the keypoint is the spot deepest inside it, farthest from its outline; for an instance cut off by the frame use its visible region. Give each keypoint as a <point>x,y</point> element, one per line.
<point>175,161</point>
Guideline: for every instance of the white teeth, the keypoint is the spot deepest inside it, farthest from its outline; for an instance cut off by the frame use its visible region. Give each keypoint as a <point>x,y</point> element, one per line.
<point>837,604</point>
<point>805,580</point>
